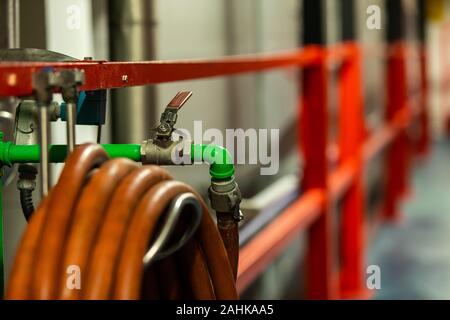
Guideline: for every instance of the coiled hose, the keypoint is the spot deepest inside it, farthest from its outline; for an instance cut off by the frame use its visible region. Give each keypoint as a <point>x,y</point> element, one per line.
<point>100,217</point>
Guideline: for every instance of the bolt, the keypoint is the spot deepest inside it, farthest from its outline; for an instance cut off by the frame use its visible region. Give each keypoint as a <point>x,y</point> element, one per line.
<point>164,128</point>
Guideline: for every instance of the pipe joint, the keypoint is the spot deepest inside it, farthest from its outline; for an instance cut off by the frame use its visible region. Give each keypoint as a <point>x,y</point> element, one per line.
<point>220,162</point>
<point>5,147</point>
<point>225,197</point>
<point>168,152</point>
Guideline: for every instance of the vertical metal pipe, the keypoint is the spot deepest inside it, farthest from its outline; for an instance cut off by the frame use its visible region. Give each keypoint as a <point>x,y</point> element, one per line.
<point>132,38</point>
<point>422,20</point>
<point>70,125</point>
<point>395,21</point>
<point>351,138</point>
<point>313,23</point>
<point>348,25</point>
<point>44,138</point>
<point>13,23</point>
<point>424,139</point>
<point>313,137</point>
<point>398,154</point>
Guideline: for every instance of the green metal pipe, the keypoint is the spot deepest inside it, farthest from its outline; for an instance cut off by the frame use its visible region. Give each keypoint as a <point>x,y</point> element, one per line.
<point>2,270</point>
<point>11,153</point>
<point>219,159</point>
<point>220,162</point>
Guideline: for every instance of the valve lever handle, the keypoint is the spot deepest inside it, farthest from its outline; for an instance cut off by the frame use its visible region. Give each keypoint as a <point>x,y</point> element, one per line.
<point>179,100</point>
<point>169,116</point>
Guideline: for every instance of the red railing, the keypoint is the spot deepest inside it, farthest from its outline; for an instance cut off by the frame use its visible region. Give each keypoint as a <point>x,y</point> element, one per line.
<point>311,213</point>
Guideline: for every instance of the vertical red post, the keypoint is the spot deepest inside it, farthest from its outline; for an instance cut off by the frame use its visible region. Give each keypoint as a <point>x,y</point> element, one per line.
<point>351,138</point>
<point>444,77</point>
<point>313,133</point>
<point>424,120</point>
<point>424,139</point>
<point>398,154</point>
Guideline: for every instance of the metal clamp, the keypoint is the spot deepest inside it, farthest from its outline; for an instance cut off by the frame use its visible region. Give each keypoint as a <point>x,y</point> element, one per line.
<point>68,81</point>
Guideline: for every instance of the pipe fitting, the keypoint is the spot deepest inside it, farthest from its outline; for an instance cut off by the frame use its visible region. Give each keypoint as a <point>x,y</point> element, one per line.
<point>219,159</point>
<point>27,177</point>
<point>155,151</point>
<point>26,184</point>
<point>5,147</point>
<point>225,197</point>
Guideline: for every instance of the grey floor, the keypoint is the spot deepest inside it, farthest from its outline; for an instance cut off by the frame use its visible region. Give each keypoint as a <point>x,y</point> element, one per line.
<point>414,254</point>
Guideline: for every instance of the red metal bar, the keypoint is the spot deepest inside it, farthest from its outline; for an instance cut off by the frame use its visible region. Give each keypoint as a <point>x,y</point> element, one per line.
<point>387,133</point>
<point>341,179</point>
<point>313,137</point>
<point>351,138</point>
<point>397,160</point>
<point>444,75</point>
<point>16,77</point>
<point>424,139</point>
<point>268,244</point>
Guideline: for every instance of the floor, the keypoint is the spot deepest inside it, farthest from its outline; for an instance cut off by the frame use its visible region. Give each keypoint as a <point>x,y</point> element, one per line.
<point>414,254</point>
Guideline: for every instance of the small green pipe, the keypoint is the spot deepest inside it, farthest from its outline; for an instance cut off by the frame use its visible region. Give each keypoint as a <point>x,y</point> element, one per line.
<point>220,160</point>
<point>2,270</point>
<point>11,153</point>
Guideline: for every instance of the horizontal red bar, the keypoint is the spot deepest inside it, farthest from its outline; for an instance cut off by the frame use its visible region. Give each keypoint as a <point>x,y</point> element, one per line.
<point>341,179</point>
<point>386,134</point>
<point>267,245</point>
<point>16,78</point>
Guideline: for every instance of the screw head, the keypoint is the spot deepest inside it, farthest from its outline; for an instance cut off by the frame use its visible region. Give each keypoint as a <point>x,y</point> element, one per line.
<point>164,128</point>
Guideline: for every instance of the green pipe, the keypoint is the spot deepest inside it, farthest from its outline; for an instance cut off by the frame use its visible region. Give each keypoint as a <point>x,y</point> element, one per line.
<point>11,153</point>
<point>2,270</point>
<point>220,160</point>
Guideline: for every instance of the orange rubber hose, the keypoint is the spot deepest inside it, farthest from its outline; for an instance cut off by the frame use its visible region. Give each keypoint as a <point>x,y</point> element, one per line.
<point>100,217</point>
